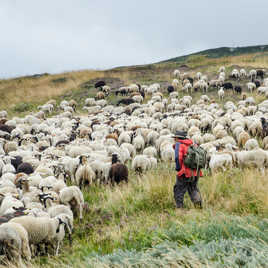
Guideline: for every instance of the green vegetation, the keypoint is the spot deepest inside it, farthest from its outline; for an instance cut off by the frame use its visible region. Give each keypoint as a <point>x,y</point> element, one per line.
<point>222,52</point>
<point>137,225</point>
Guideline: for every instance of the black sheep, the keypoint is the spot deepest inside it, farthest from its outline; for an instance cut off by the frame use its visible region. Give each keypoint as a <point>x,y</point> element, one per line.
<point>72,136</point>
<point>6,128</point>
<point>260,73</point>
<point>117,173</point>
<point>257,83</point>
<point>115,158</point>
<point>264,127</point>
<point>100,84</point>
<point>191,80</point>
<point>227,86</point>
<point>123,92</point>
<point>170,89</point>
<point>142,93</point>
<point>25,168</point>
<point>16,161</point>
<point>125,101</point>
<point>238,89</point>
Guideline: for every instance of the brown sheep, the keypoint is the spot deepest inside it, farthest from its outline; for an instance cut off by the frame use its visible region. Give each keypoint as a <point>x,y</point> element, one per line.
<point>3,121</point>
<point>135,128</point>
<point>73,104</point>
<point>113,136</point>
<point>84,132</point>
<point>52,101</point>
<point>100,95</point>
<point>243,137</point>
<point>118,171</point>
<point>244,96</point>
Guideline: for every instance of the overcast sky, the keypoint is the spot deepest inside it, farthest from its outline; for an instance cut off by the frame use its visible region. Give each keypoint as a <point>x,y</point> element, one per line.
<point>62,35</point>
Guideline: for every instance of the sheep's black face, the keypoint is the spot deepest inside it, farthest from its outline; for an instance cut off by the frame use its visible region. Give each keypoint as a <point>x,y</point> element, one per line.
<point>263,120</point>
<point>114,158</point>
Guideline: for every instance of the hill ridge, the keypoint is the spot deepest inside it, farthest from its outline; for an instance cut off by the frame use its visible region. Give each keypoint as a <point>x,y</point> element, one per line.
<point>221,52</point>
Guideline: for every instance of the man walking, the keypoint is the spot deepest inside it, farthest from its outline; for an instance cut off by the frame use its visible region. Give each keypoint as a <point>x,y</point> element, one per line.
<point>187,179</point>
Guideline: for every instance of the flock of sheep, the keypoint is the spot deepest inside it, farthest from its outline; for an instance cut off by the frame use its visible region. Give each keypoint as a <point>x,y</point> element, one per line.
<point>40,153</point>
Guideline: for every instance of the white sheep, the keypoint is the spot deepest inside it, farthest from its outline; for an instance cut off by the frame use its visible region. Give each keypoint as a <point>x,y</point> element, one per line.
<point>150,151</point>
<point>40,229</point>
<point>221,161</point>
<point>235,73</point>
<point>3,114</point>
<point>138,143</point>
<point>251,86</point>
<point>176,73</point>
<point>243,73</point>
<point>251,144</point>
<point>141,163</point>
<point>11,243</point>
<point>254,158</point>
<point>8,202</point>
<point>221,93</point>
<point>131,149</point>
<point>84,174</point>
<point>174,95</point>
<point>73,197</point>
<point>175,83</point>
<point>221,69</point>
<point>252,74</point>
<point>23,235</point>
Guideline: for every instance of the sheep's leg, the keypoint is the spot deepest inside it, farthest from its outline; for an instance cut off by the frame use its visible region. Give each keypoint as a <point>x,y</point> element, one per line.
<point>262,170</point>
<point>81,212</point>
<point>57,249</point>
<point>26,251</point>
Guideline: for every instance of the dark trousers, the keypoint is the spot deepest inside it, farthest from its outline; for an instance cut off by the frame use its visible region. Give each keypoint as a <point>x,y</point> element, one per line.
<point>184,184</point>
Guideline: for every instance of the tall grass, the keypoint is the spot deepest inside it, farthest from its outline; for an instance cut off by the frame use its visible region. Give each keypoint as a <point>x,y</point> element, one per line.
<point>135,219</point>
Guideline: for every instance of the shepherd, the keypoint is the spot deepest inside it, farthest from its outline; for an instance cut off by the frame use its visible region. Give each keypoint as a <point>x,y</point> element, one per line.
<point>187,178</point>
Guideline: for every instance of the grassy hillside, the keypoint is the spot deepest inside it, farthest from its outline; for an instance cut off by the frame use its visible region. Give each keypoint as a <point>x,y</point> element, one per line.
<point>223,52</point>
<point>137,225</point>
<point>22,94</point>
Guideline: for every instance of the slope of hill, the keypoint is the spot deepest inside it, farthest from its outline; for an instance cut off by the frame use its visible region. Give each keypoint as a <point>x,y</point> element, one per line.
<point>137,224</point>
<point>25,93</point>
<point>222,52</point>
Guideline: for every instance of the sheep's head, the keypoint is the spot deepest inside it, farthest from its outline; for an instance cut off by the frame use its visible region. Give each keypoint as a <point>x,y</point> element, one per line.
<point>114,158</point>
<point>21,179</point>
<point>82,160</point>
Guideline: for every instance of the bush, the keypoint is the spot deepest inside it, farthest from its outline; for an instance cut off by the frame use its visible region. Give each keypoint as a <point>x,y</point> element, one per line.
<point>23,107</point>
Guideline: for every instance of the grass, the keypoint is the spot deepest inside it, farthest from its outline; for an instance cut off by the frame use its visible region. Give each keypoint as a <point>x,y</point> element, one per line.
<point>131,221</point>
<point>35,90</point>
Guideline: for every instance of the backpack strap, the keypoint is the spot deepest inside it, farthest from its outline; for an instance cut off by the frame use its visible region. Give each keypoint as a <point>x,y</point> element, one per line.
<point>177,160</point>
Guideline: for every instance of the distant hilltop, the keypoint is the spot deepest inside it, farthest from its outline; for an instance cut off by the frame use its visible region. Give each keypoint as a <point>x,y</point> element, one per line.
<point>222,52</point>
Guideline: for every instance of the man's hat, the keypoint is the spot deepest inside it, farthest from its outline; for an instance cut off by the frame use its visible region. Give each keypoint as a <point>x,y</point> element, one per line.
<point>180,134</point>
